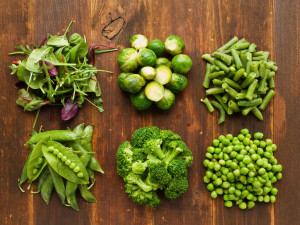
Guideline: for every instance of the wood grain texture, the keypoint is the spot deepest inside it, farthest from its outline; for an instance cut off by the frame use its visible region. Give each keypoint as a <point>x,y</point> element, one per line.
<point>204,25</point>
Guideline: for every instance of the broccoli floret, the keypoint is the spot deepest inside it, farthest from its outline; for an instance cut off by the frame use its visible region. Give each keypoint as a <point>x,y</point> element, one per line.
<point>177,168</point>
<point>186,155</point>
<point>124,159</point>
<point>158,173</point>
<point>173,148</point>
<point>141,197</point>
<point>139,167</point>
<point>138,154</point>
<point>133,178</point>
<point>167,135</point>
<point>154,185</point>
<point>141,135</point>
<point>154,146</point>
<point>176,187</point>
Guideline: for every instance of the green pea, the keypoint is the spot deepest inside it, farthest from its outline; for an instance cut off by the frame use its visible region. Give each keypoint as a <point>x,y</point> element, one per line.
<point>244,131</point>
<point>218,151</point>
<point>217,167</point>
<point>260,151</point>
<point>237,148</point>
<point>50,148</point>
<point>64,158</point>
<point>68,162</point>
<point>206,162</point>
<point>249,136</point>
<point>274,147</point>
<point>55,151</point>
<point>272,198</point>
<point>259,162</point>
<point>211,165</point>
<point>250,166</point>
<point>267,155</point>
<point>237,193</point>
<point>40,160</point>
<point>243,205</point>
<point>258,135</point>
<point>239,185</point>
<point>216,142</point>
<point>210,187</point>
<point>246,141</point>
<point>279,176</point>
<point>262,144</point>
<point>251,204</point>
<point>269,148</point>
<point>225,170</point>
<point>244,170</point>
<point>208,155</point>
<point>256,142</point>
<point>251,174</point>
<point>241,137</point>
<point>260,198</point>
<point>229,136</point>
<point>261,171</point>
<point>222,162</point>
<point>274,191</point>
<point>231,190</point>
<point>37,165</point>
<point>214,177</point>
<point>221,137</point>
<point>80,174</point>
<point>60,155</point>
<point>269,142</point>
<point>225,197</point>
<point>225,141</point>
<point>214,194</point>
<point>206,179</point>
<point>225,184</point>
<point>72,165</point>
<point>236,172</point>
<point>224,177</point>
<point>249,196</point>
<point>219,191</point>
<point>76,169</point>
<point>273,179</point>
<point>266,198</point>
<point>210,149</point>
<point>230,176</point>
<point>247,160</point>
<point>254,157</point>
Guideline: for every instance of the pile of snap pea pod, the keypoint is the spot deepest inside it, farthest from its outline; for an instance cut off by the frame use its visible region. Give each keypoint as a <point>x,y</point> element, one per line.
<point>240,76</point>
<point>62,160</point>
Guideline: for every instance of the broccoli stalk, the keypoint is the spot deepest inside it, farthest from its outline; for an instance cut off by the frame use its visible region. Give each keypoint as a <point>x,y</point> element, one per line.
<point>174,148</point>
<point>133,178</point>
<point>153,146</point>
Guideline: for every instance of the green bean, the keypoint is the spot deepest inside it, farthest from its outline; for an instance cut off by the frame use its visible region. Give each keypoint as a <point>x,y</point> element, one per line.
<point>249,61</point>
<point>71,194</point>
<point>254,68</point>
<point>266,55</point>
<point>213,91</point>
<point>221,110</point>
<point>266,100</point>
<point>206,78</point>
<point>228,44</point>
<point>216,74</point>
<point>86,193</point>
<point>254,102</point>
<point>230,74</point>
<point>239,74</point>
<point>240,46</point>
<point>219,99</point>
<point>274,68</point>
<point>258,58</point>
<point>236,58</point>
<point>249,79</point>
<point>24,176</point>
<point>259,53</point>
<point>271,74</point>
<point>47,189</point>
<point>255,111</point>
<point>262,84</point>
<point>209,107</point>
<point>208,58</point>
<point>262,69</point>
<point>42,178</point>
<point>251,89</point>
<point>232,104</point>
<point>225,98</point>
<point>222,66</point>
<point>55,135</point>
<point>233,93</point>
<point>271,82</point>
<point>86,138</point>
<point>224,57</point>
<point>59,184</point>
<point>240,96</point>
<point>214,68</point>
<point>217,82</point>
<point>252,47</point>
<point>232,84</point>
<point>246,110</point>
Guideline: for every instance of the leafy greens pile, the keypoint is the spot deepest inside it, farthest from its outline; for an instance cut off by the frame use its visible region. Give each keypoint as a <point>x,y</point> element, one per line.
<point>58,73</point>
<point>154,160</point>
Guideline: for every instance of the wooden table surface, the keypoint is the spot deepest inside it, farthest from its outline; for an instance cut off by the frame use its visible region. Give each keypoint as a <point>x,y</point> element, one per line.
<point>204,25</point>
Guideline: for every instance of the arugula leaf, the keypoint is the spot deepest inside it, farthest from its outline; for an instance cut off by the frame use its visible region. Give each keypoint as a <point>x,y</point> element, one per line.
<point>14,68</point>
<point>99,104</point>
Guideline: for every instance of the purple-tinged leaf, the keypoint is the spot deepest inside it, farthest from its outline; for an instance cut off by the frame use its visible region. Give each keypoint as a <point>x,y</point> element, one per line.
<point>70,110</point>
<point>53,71</point>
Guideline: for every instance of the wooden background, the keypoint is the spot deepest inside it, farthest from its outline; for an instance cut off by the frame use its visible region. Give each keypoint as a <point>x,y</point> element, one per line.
<point>204,25</point>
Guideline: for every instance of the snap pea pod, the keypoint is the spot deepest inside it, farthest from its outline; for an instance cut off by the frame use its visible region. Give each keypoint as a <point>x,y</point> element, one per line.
<point>71,189</point>
<point>36,161</point>
<point>42,178</point>
<point>24,176</point>
<point>86,193</point>
<point>94,165</point>
<point>79,129</point>
<point>65,162</point>
<point>55,135</point>
<point>91,177</point>
<point>86,138</point>
<point>59,184</point>
<point>47,189</point>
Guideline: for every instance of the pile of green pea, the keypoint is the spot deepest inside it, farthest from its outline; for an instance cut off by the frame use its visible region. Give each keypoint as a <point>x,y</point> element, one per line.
<point>242,170</point>
<point>61,160</point>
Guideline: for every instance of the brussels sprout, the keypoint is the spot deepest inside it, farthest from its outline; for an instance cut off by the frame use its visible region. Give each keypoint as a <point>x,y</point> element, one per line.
<point>177,83</point>
<point>181,64</point>
<point>163,61</point>
<point>133,83</point>
<point>167,101</point>
<point>121,78</point>
<point>146,57</point>
<point>148,72</point>
<point>163,74</point>
<point>140,101</point>
<point>127,59</point>
<point>174,45</point>
<point>157,46</point>
<point>138,41</point>
<point>154,91</point>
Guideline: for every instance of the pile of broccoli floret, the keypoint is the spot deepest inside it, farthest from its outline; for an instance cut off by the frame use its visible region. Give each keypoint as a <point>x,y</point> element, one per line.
<point>155,160</point>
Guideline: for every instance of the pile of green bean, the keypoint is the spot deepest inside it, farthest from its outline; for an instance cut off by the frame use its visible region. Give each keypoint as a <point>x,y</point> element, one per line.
<point>62,160</point>
<point>242,79</point>
<point>242,170</point>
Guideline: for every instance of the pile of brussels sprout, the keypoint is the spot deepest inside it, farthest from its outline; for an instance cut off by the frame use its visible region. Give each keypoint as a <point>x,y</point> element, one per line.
<point>149,75</point>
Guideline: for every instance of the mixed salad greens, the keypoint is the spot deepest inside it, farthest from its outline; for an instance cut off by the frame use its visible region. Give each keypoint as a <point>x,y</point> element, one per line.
<point>57,72</point>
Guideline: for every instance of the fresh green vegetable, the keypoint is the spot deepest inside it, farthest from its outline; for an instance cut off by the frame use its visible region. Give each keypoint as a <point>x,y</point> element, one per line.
<point>127,60</point>
<point>163,74</point>
<point>241,77</point>
<point>154,91</point>
<point>163,61</point>
<point>140,101</point>
<point>66,164</point>
<point>242,169</point>
<point>167,101</point>
<point>177,83</point>
<point>148,72</point>
<point>174,45</point>
<point>146,57</point>
<point>138,41</point>
<point>181,64</point>
<point>133,83</point>
<point>155,159</point>
<point>57,72</point>
<point>157,46</point>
